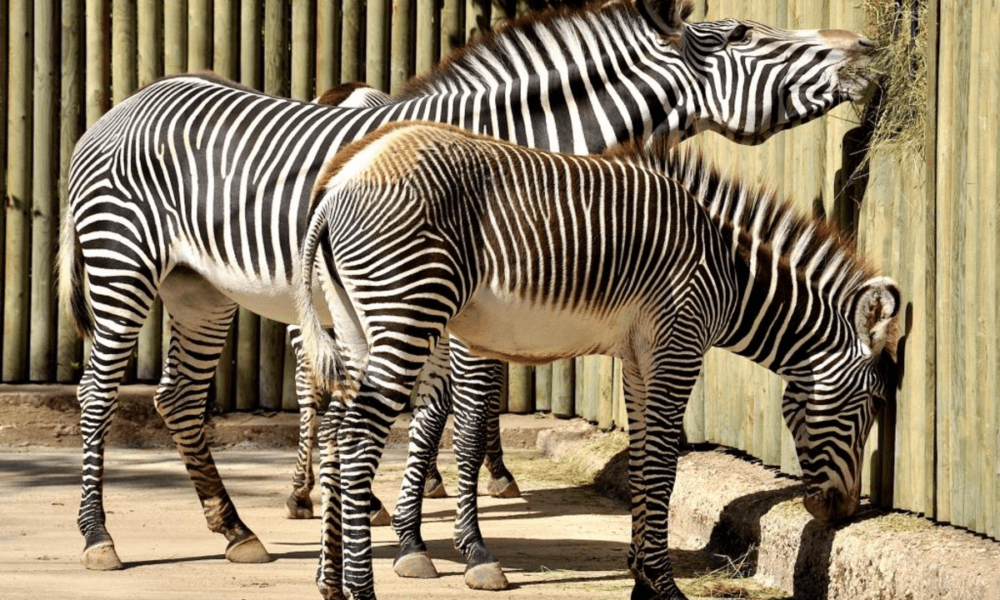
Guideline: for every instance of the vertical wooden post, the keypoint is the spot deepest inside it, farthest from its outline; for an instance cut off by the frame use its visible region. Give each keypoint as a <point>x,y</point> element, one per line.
<point>605,396</point>
<point>149,33</point>
<point>376,48</point>
<point>272,334</point>
<point>351,53</point>
<point>225,31</point>
<point>562,389</point>
<point>175,45</point>
<point>289,397</point>
<point>519,389</point>
<point>328,24</point>
<point>543,388</point>
<point>68,351</point>
<point>476,18</point>
<point>579,387</point>
<point>452,25</point>
<point>401,52</point>
<point>199,47</point>
<point>248,324</point>
<point>18,237</point>
<point>303,51</point>
<point>590,388</point>
<point>149,52</point>
<point>44,177</point>
<point>428,35</point>
<point>5,84</point>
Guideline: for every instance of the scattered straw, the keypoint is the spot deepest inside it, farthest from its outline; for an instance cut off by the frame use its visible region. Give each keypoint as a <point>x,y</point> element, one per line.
<point>898,109</point>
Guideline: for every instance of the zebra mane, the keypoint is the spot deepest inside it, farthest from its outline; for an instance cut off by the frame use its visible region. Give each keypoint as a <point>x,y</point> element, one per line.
<point>492,49</point>
<point>754,212</point>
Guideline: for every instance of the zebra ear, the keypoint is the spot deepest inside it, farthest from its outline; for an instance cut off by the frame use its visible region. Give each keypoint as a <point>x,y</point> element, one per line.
<point>664,16</point>
<point>877,304</point>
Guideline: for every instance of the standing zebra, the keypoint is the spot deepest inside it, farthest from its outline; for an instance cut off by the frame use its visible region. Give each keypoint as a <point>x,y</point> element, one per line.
<point>530,256</point>
<point>196,189</point>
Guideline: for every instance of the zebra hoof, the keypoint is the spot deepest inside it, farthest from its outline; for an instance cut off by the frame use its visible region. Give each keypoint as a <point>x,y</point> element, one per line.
<point>299,508</point>
<point>247,550</point>
<point>417,565</point>
<point>487,576</point>
<point>435,489</point>
<point>503,488</point>
<point>101,557</point>
<point>329,592</point>
<point>381,518</point>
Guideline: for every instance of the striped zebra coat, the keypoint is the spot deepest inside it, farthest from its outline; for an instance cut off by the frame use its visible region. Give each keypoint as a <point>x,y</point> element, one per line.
<point>195,190</point>
<point>530,256</point>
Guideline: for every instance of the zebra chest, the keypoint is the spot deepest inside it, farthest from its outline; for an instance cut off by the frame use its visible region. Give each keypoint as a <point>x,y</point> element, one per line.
<point>513,329</point>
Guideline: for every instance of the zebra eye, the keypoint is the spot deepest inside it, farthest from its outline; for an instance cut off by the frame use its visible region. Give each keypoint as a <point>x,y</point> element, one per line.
<point>740,33</point>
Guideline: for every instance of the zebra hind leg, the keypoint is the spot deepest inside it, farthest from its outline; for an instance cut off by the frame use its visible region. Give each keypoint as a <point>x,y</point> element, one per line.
<point>299,504</point>
<point>200,317</point>
<point>475,383</point>
<point>434,393</point>
<point>97,394</point>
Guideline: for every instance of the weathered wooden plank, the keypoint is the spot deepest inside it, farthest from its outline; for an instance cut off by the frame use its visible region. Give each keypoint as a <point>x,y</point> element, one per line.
<point>149,48</point>
<point>199,38</point>
<point>276,81</point>
<point>175,44</point>
<point>124,70</point>
<point>377,44</point>
<point>605,389</point>
<point>578,386</point>
<point>289,399</point>
<point>428,34</point>
<point>520,389</point>
<point>352,51</point>
<point>225,374</point>
<point>563,388</point>
<point>251,71</point>
<point>68,349</point>
<point>225,38</point>
<point>543,388</point>
<point>952,157</point>
<point>4,17</point>
<point>401,49</point>
<point>328,23</point>
<point>303,51</point>
<point>45,200</point>
<point>247,323</point>
<point>476,18</point>
<point>452,25</point>
<point>18,226</point>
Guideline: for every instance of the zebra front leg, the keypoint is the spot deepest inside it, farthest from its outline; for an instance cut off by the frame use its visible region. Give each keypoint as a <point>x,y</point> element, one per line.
<point>434,396</point>
<point>200,317</point>
<point>474,386</point>
<point>635,402</point>
<point>668,387</point>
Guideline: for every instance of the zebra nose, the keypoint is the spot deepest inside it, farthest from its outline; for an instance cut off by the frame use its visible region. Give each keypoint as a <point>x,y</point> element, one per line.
<point>829,505</point>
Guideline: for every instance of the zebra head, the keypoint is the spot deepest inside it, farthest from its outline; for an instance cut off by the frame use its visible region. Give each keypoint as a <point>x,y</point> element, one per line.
<point>831,412</point>
<point>753,80</point>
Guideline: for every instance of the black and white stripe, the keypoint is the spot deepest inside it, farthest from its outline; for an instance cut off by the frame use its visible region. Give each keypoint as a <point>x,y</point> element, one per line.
<point>196,189</point>
<point>531,256</point>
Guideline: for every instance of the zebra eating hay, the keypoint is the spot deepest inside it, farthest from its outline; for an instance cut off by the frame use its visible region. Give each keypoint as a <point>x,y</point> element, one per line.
<point>196,190</point>
<point>530,256</point>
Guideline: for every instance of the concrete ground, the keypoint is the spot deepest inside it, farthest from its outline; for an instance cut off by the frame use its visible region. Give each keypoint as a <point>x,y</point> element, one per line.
<point>736,527</point>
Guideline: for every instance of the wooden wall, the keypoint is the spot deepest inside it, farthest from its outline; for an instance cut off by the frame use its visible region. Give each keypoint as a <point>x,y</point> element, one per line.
<point>929,221</point>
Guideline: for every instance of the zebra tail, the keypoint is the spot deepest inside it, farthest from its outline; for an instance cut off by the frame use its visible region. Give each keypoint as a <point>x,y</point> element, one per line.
<point>71,278</point>
<point>322,354</point>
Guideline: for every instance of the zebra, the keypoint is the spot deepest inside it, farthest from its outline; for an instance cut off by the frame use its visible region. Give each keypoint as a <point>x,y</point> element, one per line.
<point>196,189</point>
<point>531,256</point>
<point>357,94</point>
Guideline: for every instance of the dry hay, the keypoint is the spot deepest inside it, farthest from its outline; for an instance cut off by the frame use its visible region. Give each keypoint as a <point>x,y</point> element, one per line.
<point>897,110</point>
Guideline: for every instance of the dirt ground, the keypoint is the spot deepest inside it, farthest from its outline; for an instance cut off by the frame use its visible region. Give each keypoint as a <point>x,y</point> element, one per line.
<point>558,541</point>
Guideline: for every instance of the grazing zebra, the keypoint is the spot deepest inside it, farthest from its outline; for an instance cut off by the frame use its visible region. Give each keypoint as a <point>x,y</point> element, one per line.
<point>196,189</point>
<point>530,256</point>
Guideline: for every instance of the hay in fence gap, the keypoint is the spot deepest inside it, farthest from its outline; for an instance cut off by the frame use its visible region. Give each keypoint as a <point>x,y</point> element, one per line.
<point>897,111</point>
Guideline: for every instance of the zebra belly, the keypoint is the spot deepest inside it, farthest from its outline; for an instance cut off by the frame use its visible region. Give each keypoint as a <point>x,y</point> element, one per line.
<point>274,300</point>
<point>520,331</point>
